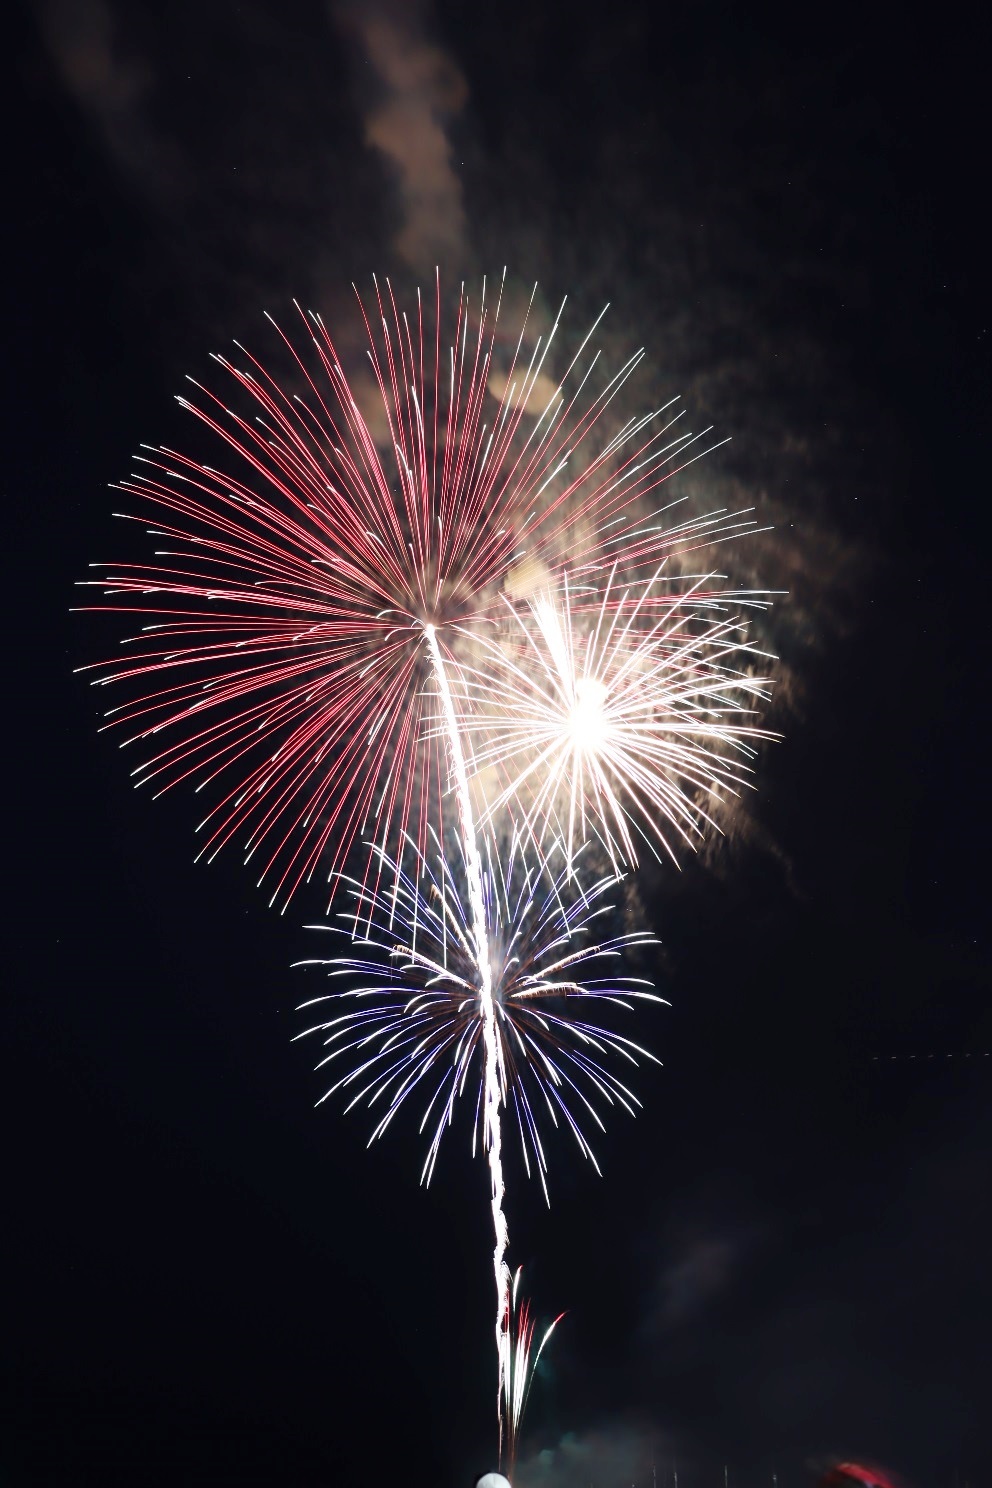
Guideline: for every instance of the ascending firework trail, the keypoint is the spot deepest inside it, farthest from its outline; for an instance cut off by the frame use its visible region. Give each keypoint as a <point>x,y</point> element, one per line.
<point>494,1078</point>
<point>445,579</point>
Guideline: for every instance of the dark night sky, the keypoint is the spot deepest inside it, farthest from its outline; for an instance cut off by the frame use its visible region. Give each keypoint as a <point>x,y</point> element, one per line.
<point>787,1257</point>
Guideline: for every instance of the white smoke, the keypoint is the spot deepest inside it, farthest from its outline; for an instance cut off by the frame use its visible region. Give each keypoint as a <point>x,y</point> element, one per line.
<point>415,92</point>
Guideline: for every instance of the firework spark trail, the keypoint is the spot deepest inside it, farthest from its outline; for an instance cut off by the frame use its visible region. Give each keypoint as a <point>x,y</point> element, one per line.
<point>494,1081</point>
<point>524,1361</point>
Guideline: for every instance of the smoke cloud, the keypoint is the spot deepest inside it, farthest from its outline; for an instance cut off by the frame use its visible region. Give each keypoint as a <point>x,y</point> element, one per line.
<point>612,1453</point>
<point>418,91</point>
<point>109,82</point>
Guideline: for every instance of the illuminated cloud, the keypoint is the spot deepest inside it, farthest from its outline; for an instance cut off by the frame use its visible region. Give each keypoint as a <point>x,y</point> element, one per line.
<point>419,90</point>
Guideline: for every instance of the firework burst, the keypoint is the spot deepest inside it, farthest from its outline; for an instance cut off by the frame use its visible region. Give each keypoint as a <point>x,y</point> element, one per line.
<point>439,621</point>
<point>280,665</point>
<point>482,995</point>
<point>408,1025</point>
<point>627,715</point>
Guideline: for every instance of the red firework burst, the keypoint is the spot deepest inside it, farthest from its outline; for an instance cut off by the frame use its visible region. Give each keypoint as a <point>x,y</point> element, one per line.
<point>280,664</point>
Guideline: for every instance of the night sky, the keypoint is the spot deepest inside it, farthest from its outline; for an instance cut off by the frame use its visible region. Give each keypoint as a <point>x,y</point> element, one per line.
<point>787,1258</point>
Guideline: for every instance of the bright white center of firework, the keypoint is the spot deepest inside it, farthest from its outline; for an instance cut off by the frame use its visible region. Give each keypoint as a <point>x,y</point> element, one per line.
<point>587,721</point>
